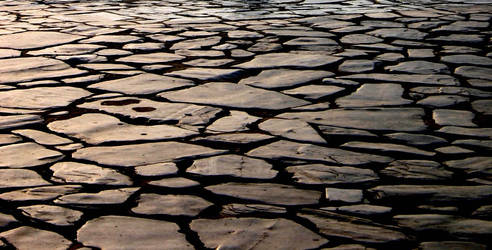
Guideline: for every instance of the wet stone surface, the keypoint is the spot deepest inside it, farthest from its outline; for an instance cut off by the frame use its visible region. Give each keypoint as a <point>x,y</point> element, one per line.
<point>285,124</point>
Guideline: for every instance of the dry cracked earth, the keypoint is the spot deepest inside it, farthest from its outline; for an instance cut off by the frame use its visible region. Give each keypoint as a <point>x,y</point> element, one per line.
<point>282,124</point>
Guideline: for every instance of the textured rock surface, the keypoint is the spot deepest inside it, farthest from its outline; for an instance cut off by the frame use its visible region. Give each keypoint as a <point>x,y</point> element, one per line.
<point>184,205</point>
<point>34,68</point>
<point>142,84</point>
<point>354,230</point>
<point>234,96</point>
<point>55,215</point>
<point>99,128</point>
<point>255,233</point>
<point>22,238</point>
<point>74,172</point>
<point>233,165</point>
<point>111,232</point>
<point>142,154</point>
<point>300,60</point>
<point>36,39</point>
<point>42,97</point>
<point>398,119</point>
<point>28,154</point>
<point>270,193</point>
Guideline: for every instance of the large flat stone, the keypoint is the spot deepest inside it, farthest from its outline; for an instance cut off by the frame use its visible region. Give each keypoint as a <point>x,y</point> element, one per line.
<point>143,154</point>
<point>55,215</point>
<point>419,67</point>
<point>113,232</point>
<point>36,39</point>
<point>74,172</point>
<point>13,121</point>
<point>45,193</point>
<point>174,205</point>
<point>459,227</point>
<point>399,33</point>
<point>382,94</point>
<point>292,129</point>
<point>142,84</point>
<point>285,150</point>
<point>28,154</point>
<point>431,193</point>
<point>22,238</point>
<point>392,119</point>
<point>472,165</point>
<point>417,170</point>
<point>134,108</point>
<point>96,128</point>
<point>270,193</point>
<point>207,74</point>
<point>15,178</point>
<point>67,50</point>
<point>235,96</point>
<point>233,165</point>
<point>41,97</point>
<point>25,69</point>
<point>106,197</point>
<point>42,138</point>
<point>328,175</point>
<point>237,121</point>
<point>298,60</point>
<point>387,147</point>
<point>426,79</point>
<point>158,57</point>
<point>474,72</point>
<point>255,233</point>
<point>456,245</point>
<point>352,228</point>
<point>281,78</point>
<point>6,220</point>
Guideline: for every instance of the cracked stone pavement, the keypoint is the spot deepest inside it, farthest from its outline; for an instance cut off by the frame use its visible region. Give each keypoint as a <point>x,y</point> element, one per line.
<point>237,124</point>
